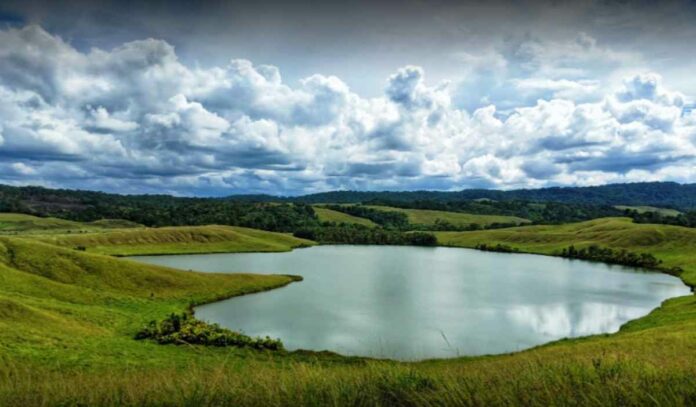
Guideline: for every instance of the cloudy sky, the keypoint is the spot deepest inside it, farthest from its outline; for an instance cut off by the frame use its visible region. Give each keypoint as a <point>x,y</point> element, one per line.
<point>212,98</point>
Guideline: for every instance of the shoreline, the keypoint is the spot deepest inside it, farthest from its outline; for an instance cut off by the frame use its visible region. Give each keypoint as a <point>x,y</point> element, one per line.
<point>297,278</point>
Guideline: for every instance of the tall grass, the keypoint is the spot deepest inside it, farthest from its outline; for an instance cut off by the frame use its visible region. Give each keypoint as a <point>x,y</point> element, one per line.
<point>602,381</point>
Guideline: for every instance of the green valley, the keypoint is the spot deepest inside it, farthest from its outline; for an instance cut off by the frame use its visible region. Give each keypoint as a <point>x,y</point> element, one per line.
<point>69,311</point>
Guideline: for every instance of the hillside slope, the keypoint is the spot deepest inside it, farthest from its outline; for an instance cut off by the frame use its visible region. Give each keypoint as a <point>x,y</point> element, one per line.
<point>429,217</point>
<point>177,240</point>
<point>86,307</point>
<point>329,215</point>
<point>674,245</point>
<point>15,223</point>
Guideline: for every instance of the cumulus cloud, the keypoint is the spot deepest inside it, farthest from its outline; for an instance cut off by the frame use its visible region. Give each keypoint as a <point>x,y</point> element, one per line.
<point>137,119</point>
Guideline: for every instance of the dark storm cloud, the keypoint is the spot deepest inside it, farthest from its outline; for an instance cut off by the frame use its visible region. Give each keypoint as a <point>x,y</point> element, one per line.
<point>311,36</point>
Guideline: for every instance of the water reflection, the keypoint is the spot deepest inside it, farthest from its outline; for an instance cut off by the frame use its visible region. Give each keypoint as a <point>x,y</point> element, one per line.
<point>414,303</point>
<point>562,320</point>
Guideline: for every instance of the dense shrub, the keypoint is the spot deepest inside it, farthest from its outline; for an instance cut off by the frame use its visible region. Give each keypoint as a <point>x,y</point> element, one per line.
<point>687,219</point>
<point>444,225</point>
<point>155,210</point>
<point>386,219</point>
<point>497,248</point>
<point>609,255</point>
<point>185,329</point>
<point>358,234</point>
<point>537,212</point>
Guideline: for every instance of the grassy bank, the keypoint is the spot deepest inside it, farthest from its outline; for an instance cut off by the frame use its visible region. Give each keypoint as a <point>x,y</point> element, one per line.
<point>674,245</point>
<point>67,318</point>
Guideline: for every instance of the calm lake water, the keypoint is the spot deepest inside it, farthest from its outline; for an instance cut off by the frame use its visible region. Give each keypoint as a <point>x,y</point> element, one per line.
<point>414,302</point>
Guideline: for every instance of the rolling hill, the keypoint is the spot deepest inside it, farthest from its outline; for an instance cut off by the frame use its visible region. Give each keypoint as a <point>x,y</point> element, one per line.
<point>13,223</point>
<point>643,209</point>
<point>675,245</point>
<point>329,215</point>
<point>429,217</point>
<point>67,320</point>
<point>177,240</point>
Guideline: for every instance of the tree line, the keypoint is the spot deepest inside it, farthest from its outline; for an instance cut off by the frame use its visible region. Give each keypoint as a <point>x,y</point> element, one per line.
<point>359,234</point>
<point>687,219</point>
<point>660,194</point>
<point>156,210</point>
<point>387,219</point>
<point>608,255</point>
<point>537,212</point>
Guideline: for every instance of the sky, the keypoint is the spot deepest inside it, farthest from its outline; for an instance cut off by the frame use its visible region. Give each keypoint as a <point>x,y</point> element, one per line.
<point>287,98</point>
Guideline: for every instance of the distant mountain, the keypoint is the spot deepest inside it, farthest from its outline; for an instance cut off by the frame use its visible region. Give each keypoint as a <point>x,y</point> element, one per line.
<point>660,194</point>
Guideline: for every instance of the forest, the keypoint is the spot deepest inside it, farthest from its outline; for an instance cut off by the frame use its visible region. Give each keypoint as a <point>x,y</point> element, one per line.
<point>287,215</point>
<point>660,194</point>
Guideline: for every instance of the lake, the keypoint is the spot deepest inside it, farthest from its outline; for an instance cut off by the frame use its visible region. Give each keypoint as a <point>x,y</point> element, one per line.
<point>412,303</point>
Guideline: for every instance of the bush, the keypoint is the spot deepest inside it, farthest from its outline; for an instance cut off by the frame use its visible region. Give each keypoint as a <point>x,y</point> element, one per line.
<point>185,329</point>
<point>608,255</point>
<point>497,248</point>
<point>357,234</point>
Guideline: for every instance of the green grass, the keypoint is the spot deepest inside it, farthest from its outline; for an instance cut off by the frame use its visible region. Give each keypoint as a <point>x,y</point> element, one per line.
<point>329,215</point>
<point>67,318</point>
<point>428,217</point>
<point>674,245</point>
<point>177,240</point>
<point>643,209</point>
<point>65,306</point>
<point>15,223</point>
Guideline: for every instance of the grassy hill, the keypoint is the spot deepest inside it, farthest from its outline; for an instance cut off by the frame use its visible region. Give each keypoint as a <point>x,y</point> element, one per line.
<point>643,209</point>
<point>177,240</point>
<point>329,215</point>
<point>60,306</point>
<point>428,217</point>
<point>67,319</point>
<point>675,245</point>
<point>14,223</point>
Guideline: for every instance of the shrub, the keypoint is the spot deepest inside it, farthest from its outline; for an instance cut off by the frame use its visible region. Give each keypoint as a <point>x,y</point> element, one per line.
<point>608,255</point>
<point>185,329</point>
<point>497,248</point>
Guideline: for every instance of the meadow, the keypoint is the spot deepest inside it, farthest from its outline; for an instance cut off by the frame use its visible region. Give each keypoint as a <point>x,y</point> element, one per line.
<point>428,217</point>
<point>643,209</point>
<point>177,240</point>
<point>68,317</point>
<point>329,215</point>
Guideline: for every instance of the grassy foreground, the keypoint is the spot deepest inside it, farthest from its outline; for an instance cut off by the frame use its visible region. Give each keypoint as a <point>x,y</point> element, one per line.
<point>67,318</point>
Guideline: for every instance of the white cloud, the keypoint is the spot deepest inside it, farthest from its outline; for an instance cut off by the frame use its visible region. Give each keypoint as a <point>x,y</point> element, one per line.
<point>136,118</point>
<point>23,169</point>
<point>102,120</point>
